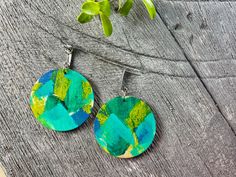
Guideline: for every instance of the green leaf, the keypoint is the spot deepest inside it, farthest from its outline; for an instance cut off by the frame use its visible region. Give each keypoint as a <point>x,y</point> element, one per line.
<point>91,8</point>
<point>121,3</point>
<point>106,24</point>
<point>124,10</point>
<point>84,18</point>
<point>105,7</point>
<point>150,8</point>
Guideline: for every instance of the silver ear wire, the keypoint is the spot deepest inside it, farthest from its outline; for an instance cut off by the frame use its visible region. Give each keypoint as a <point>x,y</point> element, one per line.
<point>123,88</point>
<point>69,51</point>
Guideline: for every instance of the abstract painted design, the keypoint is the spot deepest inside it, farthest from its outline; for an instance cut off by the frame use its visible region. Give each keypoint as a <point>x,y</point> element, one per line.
<point>125,127</point>
<point>62,99</point>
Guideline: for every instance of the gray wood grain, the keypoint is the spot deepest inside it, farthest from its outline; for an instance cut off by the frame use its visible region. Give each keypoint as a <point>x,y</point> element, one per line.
<point>183,65</point>
<point>206,34</point>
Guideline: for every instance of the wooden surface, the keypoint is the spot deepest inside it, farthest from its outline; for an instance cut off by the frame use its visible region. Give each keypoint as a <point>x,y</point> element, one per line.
<point>183,65</point>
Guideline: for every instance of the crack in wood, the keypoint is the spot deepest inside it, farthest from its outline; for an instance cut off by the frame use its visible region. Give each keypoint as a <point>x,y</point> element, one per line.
<point>123,65</point>
<point>208,169</point>
<point>100,40</point>
<point>197,73</point>
<point>120,64</point>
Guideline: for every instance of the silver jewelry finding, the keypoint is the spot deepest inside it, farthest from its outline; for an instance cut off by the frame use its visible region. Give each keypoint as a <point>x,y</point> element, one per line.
<point>69,51</point>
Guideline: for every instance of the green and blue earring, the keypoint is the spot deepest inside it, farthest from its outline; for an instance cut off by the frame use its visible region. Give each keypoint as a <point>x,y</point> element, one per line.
<point>62,99</point>
<point>125,126</point>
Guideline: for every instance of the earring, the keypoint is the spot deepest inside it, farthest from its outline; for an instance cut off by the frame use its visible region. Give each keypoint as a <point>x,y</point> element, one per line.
<point>62,99</point>
<point>125,126</point>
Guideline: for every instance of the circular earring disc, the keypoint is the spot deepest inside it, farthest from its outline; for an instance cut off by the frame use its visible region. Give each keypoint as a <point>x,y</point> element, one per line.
<point>62,99</point>
<point>125,127</point>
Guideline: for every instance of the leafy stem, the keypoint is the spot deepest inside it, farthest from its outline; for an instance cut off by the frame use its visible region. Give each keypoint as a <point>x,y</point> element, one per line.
<point>102,8</point>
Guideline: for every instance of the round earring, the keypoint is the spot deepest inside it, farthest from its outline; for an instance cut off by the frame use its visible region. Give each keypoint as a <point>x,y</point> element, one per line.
<point>125,126</point>
<point>62,99</point>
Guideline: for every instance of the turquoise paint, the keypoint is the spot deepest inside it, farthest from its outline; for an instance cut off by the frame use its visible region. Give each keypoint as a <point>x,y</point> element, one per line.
<point>125,127</point>
<point>56,113</point>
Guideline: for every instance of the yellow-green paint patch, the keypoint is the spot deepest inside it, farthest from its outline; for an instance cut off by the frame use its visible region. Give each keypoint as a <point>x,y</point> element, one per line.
<point>138,114</point>
<point>125,127</point>
<point>61,86</point>
<point>59,101</point>
<point>87,89</point>
<point>37,105</point>
<point>102,115</point>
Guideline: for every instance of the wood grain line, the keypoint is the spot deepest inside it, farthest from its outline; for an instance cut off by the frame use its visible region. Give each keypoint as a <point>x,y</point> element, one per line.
<point>197,74</point>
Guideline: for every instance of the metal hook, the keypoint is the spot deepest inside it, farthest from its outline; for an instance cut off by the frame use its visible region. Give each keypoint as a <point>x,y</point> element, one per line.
<point>124,90</point>
<point>69,51</point>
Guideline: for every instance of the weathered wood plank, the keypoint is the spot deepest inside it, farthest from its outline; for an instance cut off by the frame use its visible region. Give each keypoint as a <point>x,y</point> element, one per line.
<point>206,32</point>
<point>193,138</point>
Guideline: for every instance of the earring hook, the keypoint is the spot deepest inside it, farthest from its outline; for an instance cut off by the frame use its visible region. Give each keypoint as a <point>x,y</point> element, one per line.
<point>123,88</point>
<point>69,50</point>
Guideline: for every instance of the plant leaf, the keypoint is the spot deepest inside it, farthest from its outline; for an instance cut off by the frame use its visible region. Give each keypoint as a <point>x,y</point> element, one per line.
<point>124,10</point>
<point>84,18</point>
<point>121,3</point>
<point>106,24</point>
<point>105,7</point>
<point>91,8</point>
<point>150,8</point>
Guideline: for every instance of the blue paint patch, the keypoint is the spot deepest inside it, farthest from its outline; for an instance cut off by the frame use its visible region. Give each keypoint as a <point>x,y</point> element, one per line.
<point>46,77</point>
<point>79,117</point>
<point>96,125</point>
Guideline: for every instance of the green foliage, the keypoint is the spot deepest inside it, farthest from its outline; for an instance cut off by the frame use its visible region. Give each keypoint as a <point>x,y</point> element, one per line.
<point>84,18</point>
<point>91,8</point>
<point>106,23</point>
<point>105,7</point>
<point>150,8</point>
<point>102,8</point>
<point>125,8</point>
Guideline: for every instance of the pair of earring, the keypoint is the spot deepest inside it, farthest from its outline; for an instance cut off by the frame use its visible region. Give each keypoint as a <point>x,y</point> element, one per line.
<point>62,99</point>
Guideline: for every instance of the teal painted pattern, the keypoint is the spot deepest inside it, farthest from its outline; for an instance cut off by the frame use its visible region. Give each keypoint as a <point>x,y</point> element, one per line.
<point>125,127</point>
<point>62,99</point>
